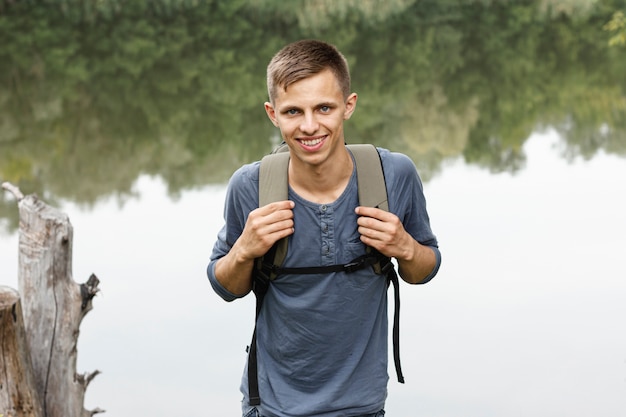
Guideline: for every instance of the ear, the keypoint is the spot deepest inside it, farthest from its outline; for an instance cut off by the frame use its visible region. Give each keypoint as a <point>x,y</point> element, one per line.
<point>271,113</point>
<point>350,106</point>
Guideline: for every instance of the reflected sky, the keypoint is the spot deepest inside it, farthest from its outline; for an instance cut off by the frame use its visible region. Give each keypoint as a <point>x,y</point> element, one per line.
<point>526,316</point>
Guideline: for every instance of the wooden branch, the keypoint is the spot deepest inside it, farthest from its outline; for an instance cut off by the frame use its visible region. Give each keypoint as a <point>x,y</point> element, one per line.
<point>18,393</point>
<point>13,189</point>
<point>88,290</point>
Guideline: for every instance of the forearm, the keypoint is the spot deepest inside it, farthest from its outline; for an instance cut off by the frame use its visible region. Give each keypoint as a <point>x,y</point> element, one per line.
<point>234,272</point>
<point>417,263</point>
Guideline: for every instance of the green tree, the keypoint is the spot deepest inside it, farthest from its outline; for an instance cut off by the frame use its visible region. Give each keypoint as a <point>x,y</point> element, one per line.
<point>617,25</point>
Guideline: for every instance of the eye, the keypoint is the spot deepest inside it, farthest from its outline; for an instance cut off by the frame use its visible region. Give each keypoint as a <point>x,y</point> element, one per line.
<point>291,112</point>
<point>325,109</point>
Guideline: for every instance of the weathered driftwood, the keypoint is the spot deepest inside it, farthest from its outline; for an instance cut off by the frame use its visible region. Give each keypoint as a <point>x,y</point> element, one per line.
<point>53,306</point>
<point>18,395</point>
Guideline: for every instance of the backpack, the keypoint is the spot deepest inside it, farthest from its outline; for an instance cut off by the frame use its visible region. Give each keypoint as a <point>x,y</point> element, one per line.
<point>274,186</point>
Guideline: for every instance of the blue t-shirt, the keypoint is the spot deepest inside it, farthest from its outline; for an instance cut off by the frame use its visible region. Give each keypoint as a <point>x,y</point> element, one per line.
<point>322,338</point>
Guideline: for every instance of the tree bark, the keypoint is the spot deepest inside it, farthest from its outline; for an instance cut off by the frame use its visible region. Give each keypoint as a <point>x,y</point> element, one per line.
<point>53,306</point>
<point>18,395</point>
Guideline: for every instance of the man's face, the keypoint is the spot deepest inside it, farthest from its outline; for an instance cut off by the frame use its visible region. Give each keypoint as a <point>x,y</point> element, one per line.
<point>310,116</point>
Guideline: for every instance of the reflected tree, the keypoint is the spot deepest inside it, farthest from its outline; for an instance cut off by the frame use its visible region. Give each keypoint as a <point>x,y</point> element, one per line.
<point>94,94</point>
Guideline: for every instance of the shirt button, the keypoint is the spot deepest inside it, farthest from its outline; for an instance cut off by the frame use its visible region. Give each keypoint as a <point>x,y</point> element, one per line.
<point>323,208</point>
<point>325,248</point>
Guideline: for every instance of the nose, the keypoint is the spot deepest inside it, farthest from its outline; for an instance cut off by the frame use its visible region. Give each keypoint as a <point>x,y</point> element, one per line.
<point>309,123</point>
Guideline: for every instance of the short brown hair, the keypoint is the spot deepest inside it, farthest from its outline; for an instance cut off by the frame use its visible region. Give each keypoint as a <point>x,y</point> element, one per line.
<point>303,59</point>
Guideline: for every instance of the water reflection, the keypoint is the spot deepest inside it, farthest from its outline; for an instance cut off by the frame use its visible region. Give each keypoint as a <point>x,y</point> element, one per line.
<point>97,97</point>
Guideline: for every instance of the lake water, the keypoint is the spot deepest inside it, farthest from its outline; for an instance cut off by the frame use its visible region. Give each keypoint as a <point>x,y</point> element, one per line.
<point>525,318</point>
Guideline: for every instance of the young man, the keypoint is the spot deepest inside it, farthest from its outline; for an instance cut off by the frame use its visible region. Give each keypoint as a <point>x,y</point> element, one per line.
<point>322,338</point>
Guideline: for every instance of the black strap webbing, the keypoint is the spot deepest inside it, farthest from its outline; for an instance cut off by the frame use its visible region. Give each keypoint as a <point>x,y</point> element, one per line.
<point>260,284</point>
<point>369,259</point>
<point>253,376</point>
<point>393,277</point>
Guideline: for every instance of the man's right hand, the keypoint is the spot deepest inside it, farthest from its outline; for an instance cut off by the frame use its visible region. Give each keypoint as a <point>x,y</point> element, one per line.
<point>264,227</point>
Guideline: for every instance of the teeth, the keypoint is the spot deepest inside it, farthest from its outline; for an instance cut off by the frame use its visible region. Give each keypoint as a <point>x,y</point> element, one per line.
<point>312,142</point>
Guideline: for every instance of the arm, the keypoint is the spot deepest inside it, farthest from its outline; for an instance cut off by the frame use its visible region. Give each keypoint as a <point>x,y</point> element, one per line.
<point>263,228</point>
<point>384,232</point>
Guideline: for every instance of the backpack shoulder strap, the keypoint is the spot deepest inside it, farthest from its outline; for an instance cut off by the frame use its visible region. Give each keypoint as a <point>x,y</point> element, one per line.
<point>370,176</point>
<point>373,193</point>
<point>273,180</point>
<point>274,186</point>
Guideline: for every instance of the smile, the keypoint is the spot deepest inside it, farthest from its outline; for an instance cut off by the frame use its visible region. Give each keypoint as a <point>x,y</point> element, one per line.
<point>311,142</point>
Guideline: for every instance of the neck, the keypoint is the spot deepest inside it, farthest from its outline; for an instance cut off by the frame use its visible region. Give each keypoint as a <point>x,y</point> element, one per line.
<point>322,183</point>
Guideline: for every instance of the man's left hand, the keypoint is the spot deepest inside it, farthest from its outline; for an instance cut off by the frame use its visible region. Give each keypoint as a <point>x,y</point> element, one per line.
<point>384,232</point>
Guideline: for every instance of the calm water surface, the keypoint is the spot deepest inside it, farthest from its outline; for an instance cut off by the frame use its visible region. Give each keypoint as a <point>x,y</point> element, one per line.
<point>526,316</point>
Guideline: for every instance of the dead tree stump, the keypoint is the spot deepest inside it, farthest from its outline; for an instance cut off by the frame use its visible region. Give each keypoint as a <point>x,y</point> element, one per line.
<point>53,306</point>
<point>18,395</point>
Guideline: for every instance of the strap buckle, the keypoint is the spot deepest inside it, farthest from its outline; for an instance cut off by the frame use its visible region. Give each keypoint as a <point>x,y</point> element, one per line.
<point>387,266</point>
<point>353,266</point>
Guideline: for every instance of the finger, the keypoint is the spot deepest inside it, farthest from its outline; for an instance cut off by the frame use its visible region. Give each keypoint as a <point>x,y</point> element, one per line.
<point>374,243</point>
<point>372,234</point>
<point>371,212</point>
<point>277,206</point>
<point>278,227</point>
<point>274,212</point>
<point>260,226</point>
<point>370,223</point>
<point>271,213</point>
<point>258,240</point>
